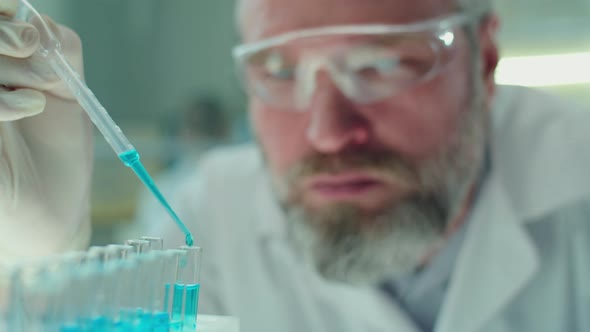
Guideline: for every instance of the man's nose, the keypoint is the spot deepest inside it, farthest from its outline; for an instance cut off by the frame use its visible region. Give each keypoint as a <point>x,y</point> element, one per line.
<point>335,122</point>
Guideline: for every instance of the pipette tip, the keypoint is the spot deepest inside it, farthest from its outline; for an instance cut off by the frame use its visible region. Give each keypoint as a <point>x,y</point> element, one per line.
<point>189,240</point>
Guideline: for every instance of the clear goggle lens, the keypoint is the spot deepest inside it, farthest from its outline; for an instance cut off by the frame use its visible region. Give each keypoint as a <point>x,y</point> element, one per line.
<point>367,66</point>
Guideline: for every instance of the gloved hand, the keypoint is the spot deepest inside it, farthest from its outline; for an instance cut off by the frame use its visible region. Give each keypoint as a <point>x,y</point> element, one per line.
<point>45,146</point>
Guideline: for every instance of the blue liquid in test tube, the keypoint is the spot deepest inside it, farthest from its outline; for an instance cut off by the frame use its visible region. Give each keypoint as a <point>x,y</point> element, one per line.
<point>177,300</point>
<point>100,324</point>
<point>185,305</point>
<point>122,326</point>
<point>70,328</point>
<point>166,297</point>
<point>146,321</point>
<point>161,322</point>
<point>191,307</point>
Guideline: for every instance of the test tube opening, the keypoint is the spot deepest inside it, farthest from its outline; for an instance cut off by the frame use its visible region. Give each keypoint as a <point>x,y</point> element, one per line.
<point>156,243</point>
<point>139,246</point>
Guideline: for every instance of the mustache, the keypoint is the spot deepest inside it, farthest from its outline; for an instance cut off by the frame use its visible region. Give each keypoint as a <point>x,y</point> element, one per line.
<point>385,164</point>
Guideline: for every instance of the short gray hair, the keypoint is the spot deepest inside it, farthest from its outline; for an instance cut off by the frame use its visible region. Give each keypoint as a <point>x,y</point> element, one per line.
<point>477,6</point>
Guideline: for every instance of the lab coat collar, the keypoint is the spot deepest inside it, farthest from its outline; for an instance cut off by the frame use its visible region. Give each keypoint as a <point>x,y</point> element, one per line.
<point>538,166</point>
<point>496,261</point>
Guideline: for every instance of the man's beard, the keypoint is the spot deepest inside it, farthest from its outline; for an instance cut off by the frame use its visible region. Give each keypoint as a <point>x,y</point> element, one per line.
<point>348,244</point>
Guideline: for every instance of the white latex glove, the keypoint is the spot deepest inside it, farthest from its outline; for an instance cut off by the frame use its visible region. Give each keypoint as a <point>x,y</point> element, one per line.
<point>45,146</point>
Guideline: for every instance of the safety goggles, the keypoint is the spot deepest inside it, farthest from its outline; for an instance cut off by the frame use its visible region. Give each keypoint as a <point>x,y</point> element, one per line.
<point>368,63</point>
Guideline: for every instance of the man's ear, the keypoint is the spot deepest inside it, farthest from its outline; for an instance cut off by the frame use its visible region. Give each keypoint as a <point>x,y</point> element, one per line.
<point>489,51</point>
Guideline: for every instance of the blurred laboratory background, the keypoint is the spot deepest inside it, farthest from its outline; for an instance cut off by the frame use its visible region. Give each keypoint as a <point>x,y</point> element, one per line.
<point>164,71</point>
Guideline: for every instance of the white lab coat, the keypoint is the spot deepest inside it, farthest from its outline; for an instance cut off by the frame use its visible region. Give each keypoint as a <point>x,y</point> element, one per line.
<point>524,263</point>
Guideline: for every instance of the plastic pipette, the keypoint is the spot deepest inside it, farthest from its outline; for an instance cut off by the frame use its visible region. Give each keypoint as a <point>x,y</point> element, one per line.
<point>50,49</point>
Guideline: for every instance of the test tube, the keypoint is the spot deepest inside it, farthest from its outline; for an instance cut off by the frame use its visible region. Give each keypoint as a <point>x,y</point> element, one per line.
<point>58,273</point>
<point>107,311</point>
<point>4,298</point>
<point>120,251</point>
<point>176,291</point>
<point>147,283</point>
<point>37,296</point>
<point>163,299</point>
<point>140,246</point>
<point>138,289</point>
<point>186,290</point>
<point>26,302</point>
<point>56,283</point>
<point>156,243</point>
<point>73,259</point>
<point>97,254</point>
<point>112,258</point>
<point>76,305</point>
<point>15,300</point>
<point>48,294</point>
<point>14,296</point>
<point>90,279</point>
<point>103,281</point>
<point>123,310</point>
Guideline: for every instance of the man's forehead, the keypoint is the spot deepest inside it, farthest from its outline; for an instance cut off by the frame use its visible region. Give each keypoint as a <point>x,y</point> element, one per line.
<point>260,19</point>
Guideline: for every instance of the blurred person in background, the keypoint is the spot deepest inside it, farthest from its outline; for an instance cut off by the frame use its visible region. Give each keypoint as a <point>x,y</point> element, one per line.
<point>394,186</point>
<point>201,124</point>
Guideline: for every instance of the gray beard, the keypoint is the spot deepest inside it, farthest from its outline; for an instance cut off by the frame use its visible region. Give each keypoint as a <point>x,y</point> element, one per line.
<point>342,249</point>
<point>344,244</point>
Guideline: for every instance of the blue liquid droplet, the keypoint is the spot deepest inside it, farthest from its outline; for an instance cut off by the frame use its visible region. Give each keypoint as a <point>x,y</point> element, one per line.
<point>189,240</point>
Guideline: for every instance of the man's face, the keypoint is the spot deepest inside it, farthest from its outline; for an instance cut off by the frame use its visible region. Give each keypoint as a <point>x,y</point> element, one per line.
<point>369,188</point>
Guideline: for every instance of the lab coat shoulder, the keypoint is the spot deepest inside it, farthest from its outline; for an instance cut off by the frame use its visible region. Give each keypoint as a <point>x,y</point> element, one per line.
<point>540,147</point>
<point>522,266</point>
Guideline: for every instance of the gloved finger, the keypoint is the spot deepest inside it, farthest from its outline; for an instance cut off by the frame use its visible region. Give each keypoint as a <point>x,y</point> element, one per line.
<point>17,39</point>
<point>71,48</point>
<point>20,103</point>
<point>35,72</point>
<point>32,72</point>
<point>71,45</point>
<point>8,7</point>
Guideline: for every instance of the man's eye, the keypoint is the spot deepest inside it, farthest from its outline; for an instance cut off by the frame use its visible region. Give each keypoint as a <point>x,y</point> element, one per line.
<point>276,67</point>
<point>386,66</point>
<point>381,66</point>
<point>282,73</point>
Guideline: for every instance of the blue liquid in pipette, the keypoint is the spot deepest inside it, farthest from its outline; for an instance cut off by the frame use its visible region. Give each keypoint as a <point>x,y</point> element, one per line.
<point>191,307</point>
<point>131,159</point>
